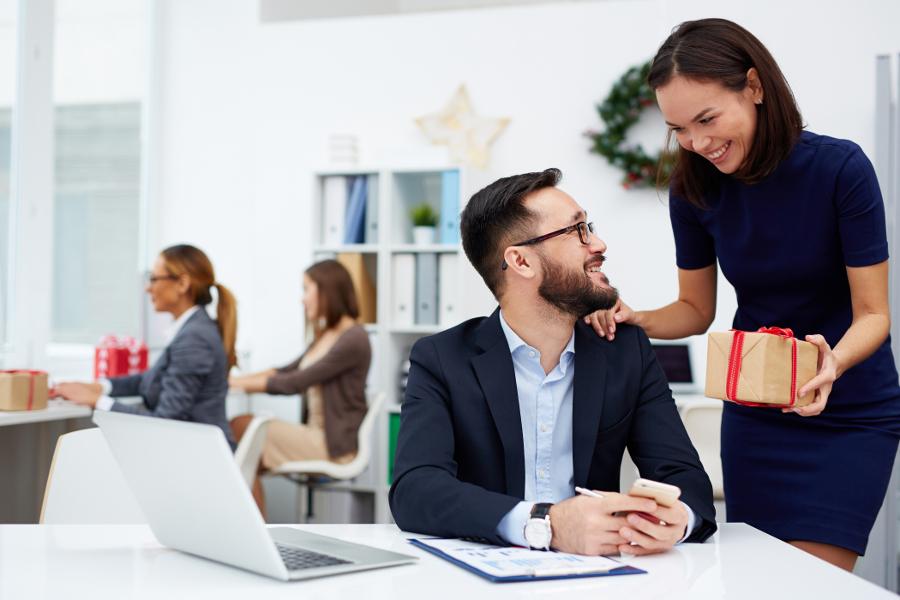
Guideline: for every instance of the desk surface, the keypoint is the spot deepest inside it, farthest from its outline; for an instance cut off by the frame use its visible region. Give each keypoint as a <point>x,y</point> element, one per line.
<point>56,410</point>
<point>124,561</point>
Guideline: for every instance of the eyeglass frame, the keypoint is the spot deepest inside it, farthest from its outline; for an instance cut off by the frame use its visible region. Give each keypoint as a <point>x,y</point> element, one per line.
<point>580,227</point>
<point>151,279</point>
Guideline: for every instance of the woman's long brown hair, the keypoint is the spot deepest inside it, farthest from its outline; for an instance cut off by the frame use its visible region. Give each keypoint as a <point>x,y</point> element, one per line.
<point>717,50</point>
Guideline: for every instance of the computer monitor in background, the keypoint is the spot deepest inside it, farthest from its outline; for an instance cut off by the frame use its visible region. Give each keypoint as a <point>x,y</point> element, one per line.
<point>679,364</point>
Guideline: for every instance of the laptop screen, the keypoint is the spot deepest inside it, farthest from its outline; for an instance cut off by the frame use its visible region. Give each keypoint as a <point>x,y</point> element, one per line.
<point>676,362</point>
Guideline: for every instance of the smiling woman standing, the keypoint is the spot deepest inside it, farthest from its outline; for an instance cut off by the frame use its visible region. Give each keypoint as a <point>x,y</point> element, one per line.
<point>796,221</point>
<point>189,381</point>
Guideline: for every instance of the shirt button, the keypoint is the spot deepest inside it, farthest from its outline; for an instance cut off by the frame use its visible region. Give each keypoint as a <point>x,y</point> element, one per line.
<point>543,427</point>
<point>540,473</point>
<point>532,354</point>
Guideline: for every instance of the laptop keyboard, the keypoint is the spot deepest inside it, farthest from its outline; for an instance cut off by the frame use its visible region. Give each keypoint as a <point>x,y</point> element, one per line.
<point>297,558</point>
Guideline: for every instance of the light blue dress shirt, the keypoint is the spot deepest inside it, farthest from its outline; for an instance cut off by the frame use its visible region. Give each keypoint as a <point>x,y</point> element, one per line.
<point>545,407</point>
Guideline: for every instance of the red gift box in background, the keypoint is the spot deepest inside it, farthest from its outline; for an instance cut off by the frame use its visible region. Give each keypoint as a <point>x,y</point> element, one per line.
<point>115,356</point>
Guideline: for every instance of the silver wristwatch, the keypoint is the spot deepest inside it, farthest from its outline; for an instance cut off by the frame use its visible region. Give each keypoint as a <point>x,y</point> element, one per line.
<point>538,532</point>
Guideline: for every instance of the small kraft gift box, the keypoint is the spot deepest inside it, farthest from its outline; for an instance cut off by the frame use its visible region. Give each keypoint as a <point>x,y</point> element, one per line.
<point>23,390</point>
<point>761,368</point>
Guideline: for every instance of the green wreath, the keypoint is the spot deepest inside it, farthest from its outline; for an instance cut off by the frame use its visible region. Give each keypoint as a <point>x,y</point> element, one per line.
<point>621,109</point>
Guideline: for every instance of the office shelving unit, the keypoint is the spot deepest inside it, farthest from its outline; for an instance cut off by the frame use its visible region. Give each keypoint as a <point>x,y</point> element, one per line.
<point>388,236</point>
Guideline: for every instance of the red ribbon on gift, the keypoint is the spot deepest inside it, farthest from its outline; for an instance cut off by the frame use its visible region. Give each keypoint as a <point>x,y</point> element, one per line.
<point>734,365</point>
<point>30,382</point>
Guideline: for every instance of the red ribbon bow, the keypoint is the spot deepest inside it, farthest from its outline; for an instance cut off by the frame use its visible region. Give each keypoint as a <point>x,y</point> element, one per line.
<point>734,365</point>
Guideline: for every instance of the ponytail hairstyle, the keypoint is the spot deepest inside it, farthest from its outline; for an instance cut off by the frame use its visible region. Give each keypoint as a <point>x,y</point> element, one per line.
<point>184,259</point>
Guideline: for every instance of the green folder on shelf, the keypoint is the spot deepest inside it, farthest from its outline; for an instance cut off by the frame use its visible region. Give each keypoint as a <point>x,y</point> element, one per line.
<point>394,430</point>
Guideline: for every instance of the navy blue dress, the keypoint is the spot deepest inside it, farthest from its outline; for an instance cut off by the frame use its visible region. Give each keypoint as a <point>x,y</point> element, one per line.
<point>784,244</point>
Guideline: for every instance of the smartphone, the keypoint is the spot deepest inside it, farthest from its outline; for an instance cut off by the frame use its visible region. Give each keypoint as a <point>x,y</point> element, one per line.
<point>663,493</point>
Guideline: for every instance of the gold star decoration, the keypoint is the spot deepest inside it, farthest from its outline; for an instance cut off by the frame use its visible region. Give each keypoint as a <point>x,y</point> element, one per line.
<point>467,135</point>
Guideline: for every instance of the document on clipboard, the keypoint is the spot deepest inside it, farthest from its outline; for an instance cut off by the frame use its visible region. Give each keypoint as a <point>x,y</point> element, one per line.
<point>513,563</point>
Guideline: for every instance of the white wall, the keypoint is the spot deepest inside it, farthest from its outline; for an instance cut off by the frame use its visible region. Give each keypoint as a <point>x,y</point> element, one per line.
<point>247,108</point>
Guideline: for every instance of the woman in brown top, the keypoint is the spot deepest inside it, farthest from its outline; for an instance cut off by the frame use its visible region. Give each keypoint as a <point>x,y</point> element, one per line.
<point>331,374</point>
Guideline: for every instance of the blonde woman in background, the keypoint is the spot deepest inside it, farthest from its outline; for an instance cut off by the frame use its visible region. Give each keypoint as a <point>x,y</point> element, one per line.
<point>331,374</point>
<point>189,381</point>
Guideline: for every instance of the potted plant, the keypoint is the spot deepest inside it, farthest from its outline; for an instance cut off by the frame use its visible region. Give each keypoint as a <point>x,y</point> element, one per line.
<point>424,220</point>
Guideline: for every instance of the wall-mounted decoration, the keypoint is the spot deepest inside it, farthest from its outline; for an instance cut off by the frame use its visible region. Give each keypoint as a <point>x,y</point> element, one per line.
<point>621,109</point>
<point>467,135</point>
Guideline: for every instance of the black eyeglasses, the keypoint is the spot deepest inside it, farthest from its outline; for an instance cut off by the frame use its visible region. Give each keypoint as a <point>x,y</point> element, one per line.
<point>584,234</point>
<point>151,279</point>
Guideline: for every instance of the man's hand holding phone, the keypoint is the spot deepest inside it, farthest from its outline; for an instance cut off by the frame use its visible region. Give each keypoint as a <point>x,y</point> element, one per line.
<point>659,530</point>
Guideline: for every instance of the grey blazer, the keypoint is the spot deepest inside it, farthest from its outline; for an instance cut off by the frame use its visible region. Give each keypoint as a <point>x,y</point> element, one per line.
<point>189,382</point>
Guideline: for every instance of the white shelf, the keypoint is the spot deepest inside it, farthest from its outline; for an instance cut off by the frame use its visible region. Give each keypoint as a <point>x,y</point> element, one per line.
<point>414,248</point>
<point>398,188</point>
<point>417,329</point>
<point>344,248</point>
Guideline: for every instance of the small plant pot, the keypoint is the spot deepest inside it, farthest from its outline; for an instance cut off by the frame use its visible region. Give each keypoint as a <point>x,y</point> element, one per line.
<point>423,235</point>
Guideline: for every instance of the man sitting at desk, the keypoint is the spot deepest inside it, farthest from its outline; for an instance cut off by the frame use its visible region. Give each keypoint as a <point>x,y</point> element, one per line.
<point>505,415</point>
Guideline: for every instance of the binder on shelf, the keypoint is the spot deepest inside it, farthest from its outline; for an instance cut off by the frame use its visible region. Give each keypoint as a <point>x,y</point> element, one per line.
<point>355,226</point>
<point>404,293</point>
<point>426,288</point>
<point>447,289</point>
<point>371,235</point>
<point>334,207</point>
<point>355,263</point>
<point>449,217</point>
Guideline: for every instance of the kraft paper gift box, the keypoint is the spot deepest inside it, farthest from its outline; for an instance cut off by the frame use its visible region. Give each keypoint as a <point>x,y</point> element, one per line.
<point>764,368</point>
<point>23,390</point>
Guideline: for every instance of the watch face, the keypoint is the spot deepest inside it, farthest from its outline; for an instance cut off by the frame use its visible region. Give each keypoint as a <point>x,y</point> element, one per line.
<point>537,533</point>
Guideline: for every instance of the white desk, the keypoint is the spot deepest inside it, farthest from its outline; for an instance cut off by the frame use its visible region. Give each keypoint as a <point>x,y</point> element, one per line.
<point>56,410</point>
<point>27,441</point>
<point>122,561</point>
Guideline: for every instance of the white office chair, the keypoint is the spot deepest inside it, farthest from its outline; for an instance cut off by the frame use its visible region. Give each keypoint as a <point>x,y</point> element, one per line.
<point>703,421</point>
<point>251,446</point>
<point>85,485</point>
<point>312,473</point>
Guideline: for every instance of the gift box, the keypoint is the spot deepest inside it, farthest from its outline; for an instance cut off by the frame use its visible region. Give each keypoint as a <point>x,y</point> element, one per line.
<point>761,368</point>
<point>23,390</point>
<point>116,356</point>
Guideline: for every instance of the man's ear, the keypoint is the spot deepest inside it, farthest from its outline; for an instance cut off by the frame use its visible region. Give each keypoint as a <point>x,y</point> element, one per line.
<point>518,261</point>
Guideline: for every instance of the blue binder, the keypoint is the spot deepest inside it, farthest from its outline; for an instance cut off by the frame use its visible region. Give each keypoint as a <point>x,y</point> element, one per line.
<point>355,227</point>
<point>449,224</point>
<point>623,570</point>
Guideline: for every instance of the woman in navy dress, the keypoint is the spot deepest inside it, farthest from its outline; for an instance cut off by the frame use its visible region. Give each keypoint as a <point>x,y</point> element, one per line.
<point>796,222</point>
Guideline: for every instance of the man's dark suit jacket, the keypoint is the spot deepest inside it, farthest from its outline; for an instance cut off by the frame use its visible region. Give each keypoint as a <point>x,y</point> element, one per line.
<point>460,463</point>
<point>188,382</point>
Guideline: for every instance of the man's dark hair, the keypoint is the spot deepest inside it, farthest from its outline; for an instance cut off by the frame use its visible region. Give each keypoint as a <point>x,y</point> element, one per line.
<point>717,50</point>
<point>496,217</point>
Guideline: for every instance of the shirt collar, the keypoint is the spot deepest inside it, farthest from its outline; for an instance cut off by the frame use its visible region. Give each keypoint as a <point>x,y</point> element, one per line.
<point>515,342</point>
<point>176,326</point>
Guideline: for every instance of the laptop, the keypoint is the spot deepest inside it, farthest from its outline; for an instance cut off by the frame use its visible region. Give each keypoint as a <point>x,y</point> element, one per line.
<point>185,479</point>
<point>679,363</point>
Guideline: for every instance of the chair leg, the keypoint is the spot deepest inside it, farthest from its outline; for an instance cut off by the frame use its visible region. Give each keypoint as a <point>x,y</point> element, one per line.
<point>309,503</point>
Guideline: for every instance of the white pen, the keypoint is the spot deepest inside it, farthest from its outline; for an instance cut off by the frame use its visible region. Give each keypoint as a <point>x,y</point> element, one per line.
<point>587,492</point>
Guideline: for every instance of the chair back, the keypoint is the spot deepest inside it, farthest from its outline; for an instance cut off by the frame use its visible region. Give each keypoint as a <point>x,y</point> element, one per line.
<point>250,448</point>
<point>355,466</point>
<point>364,435</point>
<point>703,421</point>
<point>85,485</point>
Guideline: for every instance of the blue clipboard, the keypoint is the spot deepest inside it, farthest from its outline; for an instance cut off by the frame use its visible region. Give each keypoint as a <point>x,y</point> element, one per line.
<point>623,570</point>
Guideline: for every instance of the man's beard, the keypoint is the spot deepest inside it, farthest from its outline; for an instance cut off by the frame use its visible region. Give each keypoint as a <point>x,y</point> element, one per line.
<point>573,292</point>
